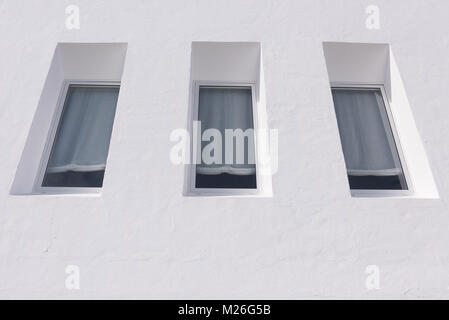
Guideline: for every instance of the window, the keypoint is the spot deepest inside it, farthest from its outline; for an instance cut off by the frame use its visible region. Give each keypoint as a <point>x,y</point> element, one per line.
<point>370,145</point>
<point>226,155</point>
<point>78,145</point>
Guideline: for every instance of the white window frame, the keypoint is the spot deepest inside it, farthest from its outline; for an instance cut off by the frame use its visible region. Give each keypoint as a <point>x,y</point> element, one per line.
<point>191,176</point>
<point>397,142</point>
<point>55,122</point>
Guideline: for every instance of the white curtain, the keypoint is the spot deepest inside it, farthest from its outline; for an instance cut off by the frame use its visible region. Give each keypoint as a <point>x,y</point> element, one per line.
<point>82,140</point>
<point>224,108</point>
<point>365,133</point>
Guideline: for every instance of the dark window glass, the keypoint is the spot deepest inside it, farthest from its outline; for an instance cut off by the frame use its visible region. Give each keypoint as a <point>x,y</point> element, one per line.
<point>227,114</point>
<point>81,144</point>
<point>369,148</point>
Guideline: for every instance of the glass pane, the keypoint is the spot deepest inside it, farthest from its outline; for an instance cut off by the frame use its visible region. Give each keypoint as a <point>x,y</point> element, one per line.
<point>81,145</point>
<point>370,152</point>
<point>228,153</point>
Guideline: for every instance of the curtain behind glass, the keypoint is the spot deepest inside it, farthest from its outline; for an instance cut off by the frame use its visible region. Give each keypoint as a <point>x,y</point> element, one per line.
<point>365,133</point>
<point>82,140</point>
<point>227,108</point>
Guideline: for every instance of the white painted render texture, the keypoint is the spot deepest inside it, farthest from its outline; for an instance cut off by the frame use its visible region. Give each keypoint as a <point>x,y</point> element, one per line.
<point>142,238</point>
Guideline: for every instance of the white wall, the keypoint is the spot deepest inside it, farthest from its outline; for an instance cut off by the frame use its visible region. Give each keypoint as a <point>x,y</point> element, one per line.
<point>143,239</point>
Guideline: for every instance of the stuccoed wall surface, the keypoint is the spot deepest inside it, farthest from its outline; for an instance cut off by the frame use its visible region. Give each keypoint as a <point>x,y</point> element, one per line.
<point>143,239</point>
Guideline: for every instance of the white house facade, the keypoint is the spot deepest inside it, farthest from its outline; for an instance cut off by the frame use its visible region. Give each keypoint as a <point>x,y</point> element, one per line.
<point>109,189</point>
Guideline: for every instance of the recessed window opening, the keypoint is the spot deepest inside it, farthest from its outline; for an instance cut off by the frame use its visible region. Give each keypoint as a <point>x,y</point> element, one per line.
<point>370,145</point>
<point>77,150</point>
<point>230,151</point>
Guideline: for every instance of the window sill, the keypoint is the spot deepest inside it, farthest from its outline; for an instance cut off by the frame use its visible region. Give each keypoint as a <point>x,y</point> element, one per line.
<point>67,192</point>
<point>226,193</point>
<point>390,194</point>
